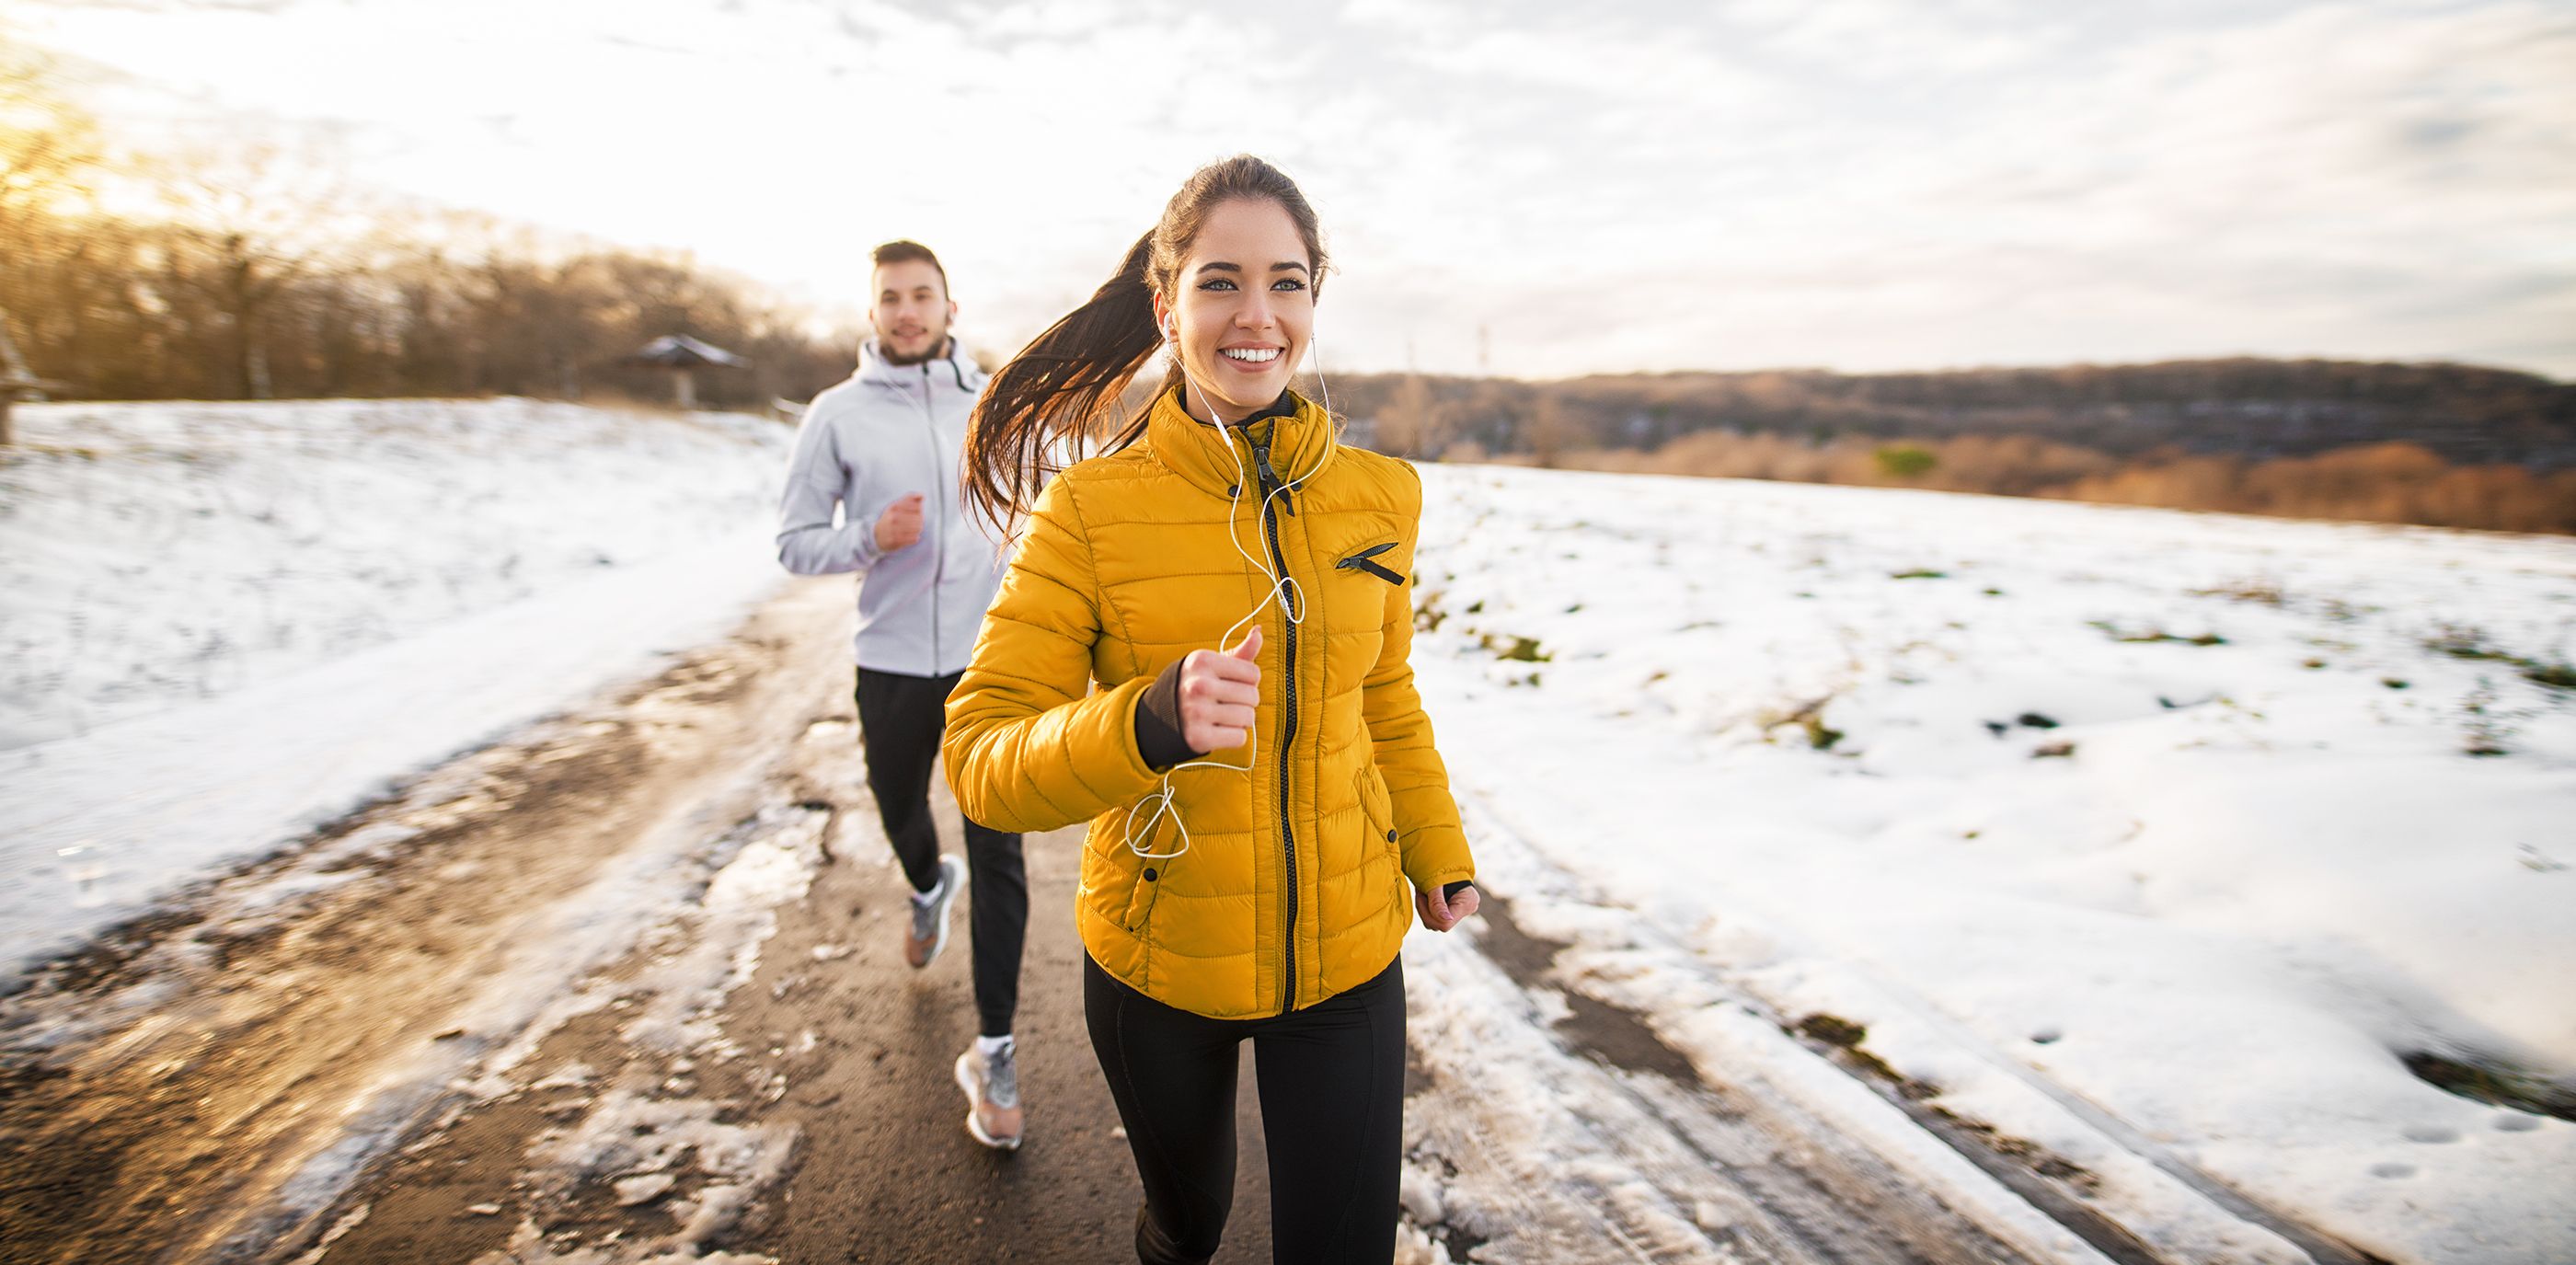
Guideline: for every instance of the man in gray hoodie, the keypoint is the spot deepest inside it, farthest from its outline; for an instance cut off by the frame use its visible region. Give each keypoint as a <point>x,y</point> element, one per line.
<point>882,447</point>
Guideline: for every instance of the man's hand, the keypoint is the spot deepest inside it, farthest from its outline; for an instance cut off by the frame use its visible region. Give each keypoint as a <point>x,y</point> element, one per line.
<point>900,525</point>
<point>1219,690</point>
<point>1441,915</point>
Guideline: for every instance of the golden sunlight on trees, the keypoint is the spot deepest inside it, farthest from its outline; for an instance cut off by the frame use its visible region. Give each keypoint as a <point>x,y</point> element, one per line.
<point>247,223</point>
<point>50,155</point>
<point>233,269</point>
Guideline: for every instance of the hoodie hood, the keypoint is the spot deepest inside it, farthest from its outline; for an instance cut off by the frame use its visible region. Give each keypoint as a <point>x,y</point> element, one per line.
<point>952,362</point>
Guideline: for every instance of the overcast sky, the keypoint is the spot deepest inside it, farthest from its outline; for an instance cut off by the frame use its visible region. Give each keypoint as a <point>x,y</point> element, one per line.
<point>1853,184</point>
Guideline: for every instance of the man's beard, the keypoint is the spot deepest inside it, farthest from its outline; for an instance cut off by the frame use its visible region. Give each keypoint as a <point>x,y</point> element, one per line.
<point>937,345</point>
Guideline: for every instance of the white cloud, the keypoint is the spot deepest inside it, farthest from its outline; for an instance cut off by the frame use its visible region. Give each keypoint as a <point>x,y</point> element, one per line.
<point>1859,183</point>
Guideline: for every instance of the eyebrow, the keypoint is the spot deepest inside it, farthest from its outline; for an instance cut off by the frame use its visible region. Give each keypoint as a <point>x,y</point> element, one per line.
<point>1284,266</point>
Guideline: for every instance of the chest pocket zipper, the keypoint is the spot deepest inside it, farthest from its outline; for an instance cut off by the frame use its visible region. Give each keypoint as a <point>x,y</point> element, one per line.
<point>1361,561</point>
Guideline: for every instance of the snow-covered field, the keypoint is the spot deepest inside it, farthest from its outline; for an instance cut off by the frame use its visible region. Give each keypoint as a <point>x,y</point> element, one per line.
<point>223,623</point>
<point>2157,840</point>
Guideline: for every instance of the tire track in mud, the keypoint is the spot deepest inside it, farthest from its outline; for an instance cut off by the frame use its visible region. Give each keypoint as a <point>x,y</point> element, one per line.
<point>194,1085</point>
<point>1633,1154</point>
<point>1588,989</point>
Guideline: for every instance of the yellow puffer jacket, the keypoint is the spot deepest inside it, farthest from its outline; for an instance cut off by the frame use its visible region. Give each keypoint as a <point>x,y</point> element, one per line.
<point>1294,886</point>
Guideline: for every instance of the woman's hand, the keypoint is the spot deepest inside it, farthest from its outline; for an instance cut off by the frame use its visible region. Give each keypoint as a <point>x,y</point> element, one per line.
<point>1219,690</point>
<point>1439,914</point>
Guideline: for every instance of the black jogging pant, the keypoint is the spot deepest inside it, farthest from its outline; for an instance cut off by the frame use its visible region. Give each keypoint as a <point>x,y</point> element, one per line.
<point>901,720</point>
<point>1332,1106</point>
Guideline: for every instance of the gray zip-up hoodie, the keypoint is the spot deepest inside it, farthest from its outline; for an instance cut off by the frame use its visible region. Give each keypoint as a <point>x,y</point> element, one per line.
<point>884,433</point>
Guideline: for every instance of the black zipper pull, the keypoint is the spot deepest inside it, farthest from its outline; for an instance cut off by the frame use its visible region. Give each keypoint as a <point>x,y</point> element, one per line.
<point>1363,561</point>
<point>1270,481</point>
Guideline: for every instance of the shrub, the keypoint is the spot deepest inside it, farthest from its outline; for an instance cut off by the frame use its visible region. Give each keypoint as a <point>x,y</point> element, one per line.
<point>1906,461</point>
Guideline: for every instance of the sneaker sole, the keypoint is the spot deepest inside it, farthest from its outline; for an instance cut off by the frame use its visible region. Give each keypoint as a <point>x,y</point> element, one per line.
<point>954,871</point>
<point>975,1130</point>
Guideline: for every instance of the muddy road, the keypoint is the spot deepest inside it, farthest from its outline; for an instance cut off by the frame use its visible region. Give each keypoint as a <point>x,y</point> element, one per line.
<point>626,986</point>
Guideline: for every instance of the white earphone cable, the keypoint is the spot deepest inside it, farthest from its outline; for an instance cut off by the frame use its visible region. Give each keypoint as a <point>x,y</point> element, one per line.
<point>1292,603</point>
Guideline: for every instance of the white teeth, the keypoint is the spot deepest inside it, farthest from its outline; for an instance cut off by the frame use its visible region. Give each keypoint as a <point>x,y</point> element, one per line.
<point>1254,355</point>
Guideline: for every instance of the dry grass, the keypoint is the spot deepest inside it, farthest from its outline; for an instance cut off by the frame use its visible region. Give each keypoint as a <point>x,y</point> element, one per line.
<point>2383,483</point>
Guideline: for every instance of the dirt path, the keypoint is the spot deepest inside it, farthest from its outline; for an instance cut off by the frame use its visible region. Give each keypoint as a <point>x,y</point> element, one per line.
<point>850,1049</point>
<point>888,1168</point>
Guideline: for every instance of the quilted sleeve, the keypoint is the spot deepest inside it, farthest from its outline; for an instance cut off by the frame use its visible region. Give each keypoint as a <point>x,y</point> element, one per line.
<point>1434,844</point>
<point>1030,747</point>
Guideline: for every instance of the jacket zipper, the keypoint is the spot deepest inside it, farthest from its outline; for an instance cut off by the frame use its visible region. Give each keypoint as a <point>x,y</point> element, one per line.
<point>1362,561</point>
<point>1270,483</point>
<point>939,560</point>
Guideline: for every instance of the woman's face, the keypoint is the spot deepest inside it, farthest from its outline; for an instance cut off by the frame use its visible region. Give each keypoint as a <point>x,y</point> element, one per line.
<point>1243,309</point>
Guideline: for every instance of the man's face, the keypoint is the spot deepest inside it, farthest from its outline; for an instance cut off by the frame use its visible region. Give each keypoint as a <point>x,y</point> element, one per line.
<point>912,311</point>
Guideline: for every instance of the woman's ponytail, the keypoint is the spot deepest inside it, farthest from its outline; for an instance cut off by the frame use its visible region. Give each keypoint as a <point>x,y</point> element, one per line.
<point>1046,407</point>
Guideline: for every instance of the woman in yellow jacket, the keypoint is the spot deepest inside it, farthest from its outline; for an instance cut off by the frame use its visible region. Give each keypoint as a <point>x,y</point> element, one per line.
<point>1267,813</point>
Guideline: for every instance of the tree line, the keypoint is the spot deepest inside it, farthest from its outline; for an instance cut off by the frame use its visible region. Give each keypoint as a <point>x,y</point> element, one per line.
<point>2437,444</point>
<point>239,271</point>
<point>2244,407</point>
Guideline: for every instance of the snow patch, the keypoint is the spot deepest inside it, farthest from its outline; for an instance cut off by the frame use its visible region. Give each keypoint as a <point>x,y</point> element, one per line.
<point>2127,827</point>
<point>233,623</point>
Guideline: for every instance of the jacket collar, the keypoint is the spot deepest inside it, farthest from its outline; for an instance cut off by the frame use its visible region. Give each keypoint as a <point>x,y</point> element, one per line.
<point>952,367</point>
<point>1299,433</point>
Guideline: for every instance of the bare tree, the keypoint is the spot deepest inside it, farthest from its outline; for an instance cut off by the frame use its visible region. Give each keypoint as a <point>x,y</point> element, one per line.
<point>14,378</point>
<point>1550,430</point>
<point>50,155</point>
<point>50,162</point>
<point>1412,423</point>
<point>249,223</point>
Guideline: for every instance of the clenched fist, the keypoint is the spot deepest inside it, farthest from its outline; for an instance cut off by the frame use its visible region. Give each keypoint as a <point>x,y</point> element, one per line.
<point>900,525</point>
<point>1441,913</point>
<point>1219,690</point>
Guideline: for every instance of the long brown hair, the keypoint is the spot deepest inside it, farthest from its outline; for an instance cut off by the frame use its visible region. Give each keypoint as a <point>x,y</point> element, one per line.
<point>1051,403</point>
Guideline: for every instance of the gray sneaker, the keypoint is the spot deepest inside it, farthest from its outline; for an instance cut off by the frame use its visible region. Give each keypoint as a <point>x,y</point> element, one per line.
<point>928,933</point>
<point>992,1085</point>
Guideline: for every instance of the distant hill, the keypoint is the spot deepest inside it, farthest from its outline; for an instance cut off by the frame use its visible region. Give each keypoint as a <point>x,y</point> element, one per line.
<point>2250,408</point>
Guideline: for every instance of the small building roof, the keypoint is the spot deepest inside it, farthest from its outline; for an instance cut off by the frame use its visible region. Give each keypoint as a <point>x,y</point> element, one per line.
<point>679,351</point>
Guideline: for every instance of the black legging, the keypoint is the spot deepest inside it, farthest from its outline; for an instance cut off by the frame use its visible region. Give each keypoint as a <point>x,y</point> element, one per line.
<point>1332,1106</point>
<point>901,719</point>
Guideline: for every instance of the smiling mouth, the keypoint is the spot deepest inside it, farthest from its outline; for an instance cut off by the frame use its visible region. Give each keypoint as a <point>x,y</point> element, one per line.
<point>1250,355</point>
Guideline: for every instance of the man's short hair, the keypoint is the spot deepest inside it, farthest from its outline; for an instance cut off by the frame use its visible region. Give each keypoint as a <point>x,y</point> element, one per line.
<point>909,251</point>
